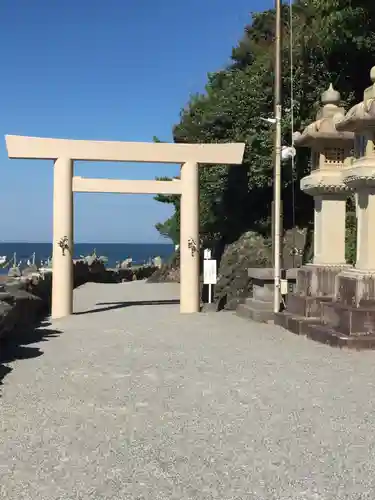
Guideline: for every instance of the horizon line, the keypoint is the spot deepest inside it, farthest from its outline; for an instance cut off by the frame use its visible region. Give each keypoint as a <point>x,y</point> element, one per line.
<point>90,242</point>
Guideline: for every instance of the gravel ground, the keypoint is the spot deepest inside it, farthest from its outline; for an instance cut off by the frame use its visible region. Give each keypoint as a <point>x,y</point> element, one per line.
<point>139,402</point>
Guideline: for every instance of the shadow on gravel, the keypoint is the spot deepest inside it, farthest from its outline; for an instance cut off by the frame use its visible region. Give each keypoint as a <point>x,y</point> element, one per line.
<point>17,346</point>
<point>120,305</point>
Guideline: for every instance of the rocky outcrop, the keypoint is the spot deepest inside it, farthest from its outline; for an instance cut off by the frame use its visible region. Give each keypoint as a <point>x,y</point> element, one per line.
<point>86,271</point>
<point>96,272</point>
<point>23,303</point>
<point>234,284</point>
<point>119,275</point>
<point>168,272</point>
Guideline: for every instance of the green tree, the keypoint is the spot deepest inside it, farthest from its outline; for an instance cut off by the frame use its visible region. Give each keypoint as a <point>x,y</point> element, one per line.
<point>333,42</point>
<point>170,228</point>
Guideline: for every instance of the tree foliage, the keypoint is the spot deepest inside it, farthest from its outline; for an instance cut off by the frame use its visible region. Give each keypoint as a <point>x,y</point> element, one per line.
<point>332,42</point>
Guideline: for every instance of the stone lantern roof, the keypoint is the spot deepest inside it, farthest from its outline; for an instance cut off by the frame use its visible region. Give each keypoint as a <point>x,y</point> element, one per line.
<point>360,119</point>
<point>330,147</point>
<point>323,129</point>
<point>361,116</point>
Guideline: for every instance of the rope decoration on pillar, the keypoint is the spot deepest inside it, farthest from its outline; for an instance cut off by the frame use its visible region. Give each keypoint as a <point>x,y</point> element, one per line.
<point>63,243</point>
<point>192,246</point>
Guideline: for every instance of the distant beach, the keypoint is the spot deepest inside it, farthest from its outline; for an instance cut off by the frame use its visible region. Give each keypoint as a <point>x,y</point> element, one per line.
<point>115,252</point>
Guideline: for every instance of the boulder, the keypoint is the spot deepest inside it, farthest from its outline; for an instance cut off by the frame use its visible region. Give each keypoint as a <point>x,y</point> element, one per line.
<point>19,310</point>
<point>233,283</point>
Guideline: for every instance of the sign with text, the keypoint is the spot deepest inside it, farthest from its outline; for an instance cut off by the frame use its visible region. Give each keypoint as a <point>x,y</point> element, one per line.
<point>209,272</point>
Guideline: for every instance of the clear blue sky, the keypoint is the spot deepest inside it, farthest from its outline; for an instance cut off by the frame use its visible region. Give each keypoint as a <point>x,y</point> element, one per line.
<point>105,70</point>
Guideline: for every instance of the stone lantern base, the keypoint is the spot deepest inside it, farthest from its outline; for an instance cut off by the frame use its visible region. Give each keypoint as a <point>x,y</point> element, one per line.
<point>259,307</point>
<point>349,320</point>
<point>315,287</point>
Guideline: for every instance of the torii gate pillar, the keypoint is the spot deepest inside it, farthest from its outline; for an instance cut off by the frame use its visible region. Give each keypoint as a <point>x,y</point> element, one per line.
<point>189,239</point>
<point>62,253</point>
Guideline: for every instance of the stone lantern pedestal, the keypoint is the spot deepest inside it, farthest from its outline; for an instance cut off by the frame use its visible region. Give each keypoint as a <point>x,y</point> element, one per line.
<point>330,153</point>
<point>350,319</point>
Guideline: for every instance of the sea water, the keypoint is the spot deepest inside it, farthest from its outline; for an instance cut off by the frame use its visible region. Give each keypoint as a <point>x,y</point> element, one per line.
<point>115,252</point>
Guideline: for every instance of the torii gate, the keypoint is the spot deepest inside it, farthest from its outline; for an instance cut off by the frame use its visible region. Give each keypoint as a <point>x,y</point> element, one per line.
<point>65,151</point>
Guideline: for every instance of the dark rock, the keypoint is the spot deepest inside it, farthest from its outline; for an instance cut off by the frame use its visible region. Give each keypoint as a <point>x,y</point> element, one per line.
<point>18,310</point>
<point>144,272</point>
<point>234,284</point>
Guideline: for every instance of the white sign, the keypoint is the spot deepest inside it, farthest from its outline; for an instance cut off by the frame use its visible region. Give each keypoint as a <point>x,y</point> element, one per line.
<point>207,253</point>
<point>209,272</point>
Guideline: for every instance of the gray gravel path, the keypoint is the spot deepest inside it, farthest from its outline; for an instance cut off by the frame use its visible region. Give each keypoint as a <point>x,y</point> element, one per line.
<point>138,402</point>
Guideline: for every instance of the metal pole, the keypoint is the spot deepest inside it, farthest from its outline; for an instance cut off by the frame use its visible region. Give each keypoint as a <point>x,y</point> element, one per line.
<point>277,168</point>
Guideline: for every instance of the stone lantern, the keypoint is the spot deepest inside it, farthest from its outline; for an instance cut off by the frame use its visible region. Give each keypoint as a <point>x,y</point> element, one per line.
<point>350,319</point>
<point>361,175</point>
<point>331,152</point>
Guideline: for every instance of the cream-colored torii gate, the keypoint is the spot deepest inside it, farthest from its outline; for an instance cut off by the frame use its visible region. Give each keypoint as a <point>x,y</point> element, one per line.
<point>65,151</point>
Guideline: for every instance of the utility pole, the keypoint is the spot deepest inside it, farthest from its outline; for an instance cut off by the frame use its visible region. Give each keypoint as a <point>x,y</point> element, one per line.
<point>277,167</point>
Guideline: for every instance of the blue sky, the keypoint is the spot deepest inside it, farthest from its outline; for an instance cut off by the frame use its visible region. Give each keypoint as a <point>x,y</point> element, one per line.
<point>104,70</point>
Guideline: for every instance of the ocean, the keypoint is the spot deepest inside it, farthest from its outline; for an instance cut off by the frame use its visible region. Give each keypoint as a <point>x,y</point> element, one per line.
<point>139,252</point>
